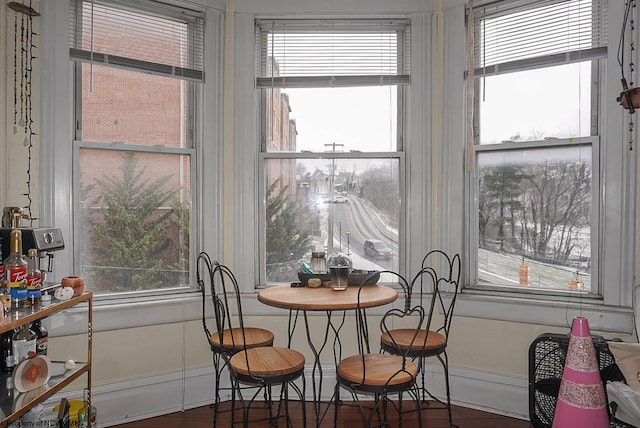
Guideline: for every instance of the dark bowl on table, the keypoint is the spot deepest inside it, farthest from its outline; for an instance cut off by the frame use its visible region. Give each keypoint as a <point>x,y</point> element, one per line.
<point>356,276</point>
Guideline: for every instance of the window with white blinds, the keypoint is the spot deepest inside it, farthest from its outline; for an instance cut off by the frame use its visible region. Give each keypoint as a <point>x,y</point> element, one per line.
<point>331,97</point>
<point>138,87</point>
<point>510,35</point>
<point>138,34</point>
<point>332,53</point>
<point>535,212</point>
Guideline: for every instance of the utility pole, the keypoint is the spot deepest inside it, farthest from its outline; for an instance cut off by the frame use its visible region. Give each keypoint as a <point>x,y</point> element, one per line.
<point>331,147</point>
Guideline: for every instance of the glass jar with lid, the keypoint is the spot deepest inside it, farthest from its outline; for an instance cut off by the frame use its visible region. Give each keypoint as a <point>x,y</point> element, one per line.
<point>339,265</point>
<point>318,262</point>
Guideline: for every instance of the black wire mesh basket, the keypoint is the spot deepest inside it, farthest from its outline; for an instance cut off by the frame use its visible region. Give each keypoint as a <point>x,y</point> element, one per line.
<point>546,363</point>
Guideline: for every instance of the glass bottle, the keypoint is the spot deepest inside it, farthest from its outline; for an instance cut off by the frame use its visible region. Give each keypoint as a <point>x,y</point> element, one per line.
<point>5,294</point>
<point>87,415</point>
<point>2,268</point>
<point>42,337</point>
<point>6,351</point>
<point>16,267</point>
<point>24,344</point>
<point>34,279</point>
<point>318,263</point>
<point>7,393</point>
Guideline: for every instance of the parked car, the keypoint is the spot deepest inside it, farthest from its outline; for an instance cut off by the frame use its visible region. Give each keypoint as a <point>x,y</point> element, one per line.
<point>376,249</point>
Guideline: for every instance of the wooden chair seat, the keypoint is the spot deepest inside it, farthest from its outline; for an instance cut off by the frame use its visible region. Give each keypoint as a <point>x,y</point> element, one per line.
<point>232,339</point>
<point>267,362</point>
<point>379,370</point>
<point>403,339</point>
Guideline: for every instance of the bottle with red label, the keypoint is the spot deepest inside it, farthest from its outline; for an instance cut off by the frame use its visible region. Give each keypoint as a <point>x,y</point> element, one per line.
<point>16,267</point>
<point>34,279</point>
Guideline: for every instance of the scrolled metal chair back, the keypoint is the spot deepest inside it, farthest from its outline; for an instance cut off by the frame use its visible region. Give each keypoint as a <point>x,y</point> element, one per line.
<point>226,294</point>
<point>416,314</point>
<point>443,273</point>
<point>204,271</point>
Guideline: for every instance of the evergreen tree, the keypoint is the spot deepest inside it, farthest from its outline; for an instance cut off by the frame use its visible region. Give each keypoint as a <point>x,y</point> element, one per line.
<point>130,232</point>
<point>285,241</point>
<point>500,196</point>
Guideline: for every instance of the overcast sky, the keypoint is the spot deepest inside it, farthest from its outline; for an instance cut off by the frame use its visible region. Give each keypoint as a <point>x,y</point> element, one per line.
<point>361,118</point>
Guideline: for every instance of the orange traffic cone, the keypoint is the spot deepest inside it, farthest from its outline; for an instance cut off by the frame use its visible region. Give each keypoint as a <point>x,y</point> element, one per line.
<point>581,400</point>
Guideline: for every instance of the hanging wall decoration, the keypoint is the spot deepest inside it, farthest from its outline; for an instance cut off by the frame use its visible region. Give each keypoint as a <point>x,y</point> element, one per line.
<point>626,98</point>
<point>23,57</point>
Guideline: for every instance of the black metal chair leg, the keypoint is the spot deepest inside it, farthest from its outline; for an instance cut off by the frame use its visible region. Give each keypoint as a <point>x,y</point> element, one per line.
<point>400,409</point>
<point>336,403</point>
<point>233,403</point>
<point>445,367</point>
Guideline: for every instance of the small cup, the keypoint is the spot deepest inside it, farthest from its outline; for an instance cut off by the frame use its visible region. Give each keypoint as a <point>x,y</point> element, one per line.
<point>75,282</point>
<point>339,277</point>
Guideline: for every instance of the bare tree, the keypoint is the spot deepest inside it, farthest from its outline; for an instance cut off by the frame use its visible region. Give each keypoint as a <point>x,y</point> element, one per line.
<point>556,206</point>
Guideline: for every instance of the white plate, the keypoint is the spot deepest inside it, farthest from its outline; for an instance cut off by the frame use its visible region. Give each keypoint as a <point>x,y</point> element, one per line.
<point>32,373</point>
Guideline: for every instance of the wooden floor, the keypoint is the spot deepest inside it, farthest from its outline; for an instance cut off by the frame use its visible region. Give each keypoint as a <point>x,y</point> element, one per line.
<point>349,417</point>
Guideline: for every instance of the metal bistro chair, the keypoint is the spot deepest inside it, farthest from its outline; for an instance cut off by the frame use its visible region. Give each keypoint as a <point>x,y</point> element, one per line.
<point>227,339</point>
<point>252,365</point>
<point>432,341</point>
<point>379,375</point>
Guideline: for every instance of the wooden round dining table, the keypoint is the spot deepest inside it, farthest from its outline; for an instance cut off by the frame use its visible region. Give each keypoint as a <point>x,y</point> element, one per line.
<point>329,301</point>
<point>326,299</point>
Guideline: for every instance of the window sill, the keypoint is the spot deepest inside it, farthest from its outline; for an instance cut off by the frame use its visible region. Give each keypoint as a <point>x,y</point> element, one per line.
<point>511,308</point>
<point>117,314</point>
<point>187,306</point>
<point>612,319</point>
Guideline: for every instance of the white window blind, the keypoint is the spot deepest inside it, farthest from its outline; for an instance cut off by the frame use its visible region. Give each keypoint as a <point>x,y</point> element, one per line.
<point>138,34</point>
<point>332,53</point>
<point>510,35</point>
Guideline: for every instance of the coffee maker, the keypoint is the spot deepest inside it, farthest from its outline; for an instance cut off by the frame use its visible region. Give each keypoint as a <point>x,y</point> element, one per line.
<point>44,239</point>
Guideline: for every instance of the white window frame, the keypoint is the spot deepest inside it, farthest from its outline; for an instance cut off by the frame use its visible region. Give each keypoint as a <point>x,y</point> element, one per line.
<point>497,61</point>
<point>311,79</point>
<point>248,157</point>
<point>591,141</point>
<point>194,84</point>
<point>57,160</point>
<point>616,198</point>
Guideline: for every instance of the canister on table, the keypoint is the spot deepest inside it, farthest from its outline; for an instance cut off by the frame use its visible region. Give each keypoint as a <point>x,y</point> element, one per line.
<point>318,263</point>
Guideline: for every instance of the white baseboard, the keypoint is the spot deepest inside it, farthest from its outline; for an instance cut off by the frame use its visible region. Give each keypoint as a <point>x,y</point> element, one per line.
<point>133,400</point>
